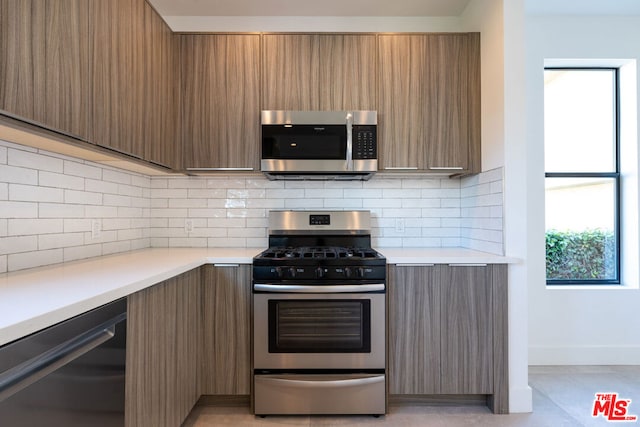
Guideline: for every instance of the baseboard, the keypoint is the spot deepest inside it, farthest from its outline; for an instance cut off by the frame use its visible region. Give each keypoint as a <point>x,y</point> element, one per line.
<point>224,400</point>
<point>438,399</point>
<point>584,355</point>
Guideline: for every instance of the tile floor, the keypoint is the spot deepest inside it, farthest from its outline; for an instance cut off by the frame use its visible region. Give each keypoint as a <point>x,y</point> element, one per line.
<point>562,397</point>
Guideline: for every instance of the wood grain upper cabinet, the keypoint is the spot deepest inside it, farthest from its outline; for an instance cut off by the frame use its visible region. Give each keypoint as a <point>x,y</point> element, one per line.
<point>220,104</point>
<point>117,74</point>
<point>226,356</point>
<point>429,106</point>
<point>44,53</point>
<point>319,72</point>
<point>160,112</point>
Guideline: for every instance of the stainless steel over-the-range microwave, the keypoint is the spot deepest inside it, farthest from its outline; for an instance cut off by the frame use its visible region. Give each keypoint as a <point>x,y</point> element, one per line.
<point>319,144</point>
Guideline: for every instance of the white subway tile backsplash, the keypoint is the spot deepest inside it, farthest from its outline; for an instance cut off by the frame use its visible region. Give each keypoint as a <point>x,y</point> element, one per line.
<point>82,170</point>
<point>54,241</point>
<point>59,210</point>
<point>82,252</point>
<point>18,209</point>
<point>17,244</point>
<point>304,203</point>
<point>54,200</point>
<point>342,204</point>
<point>83,197</point>
<point>111,175</point>
<point>26,227</point>
<point>29,160</point>
<point>116,247</point>
<point>18,175</point>
<point>101,186</point>
<point>32,193</point>
<point>20,261</point>
<point>58,180</point>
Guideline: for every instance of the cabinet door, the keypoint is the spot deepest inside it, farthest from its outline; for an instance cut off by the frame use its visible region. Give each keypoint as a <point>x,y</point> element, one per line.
<point>226,327</point>
<point>403,101</point>
<point>347,72</point>
<point>290,77</point>
<point>160,112</point>
<point>163,331</point>
<point>220,105</point>
<point>467,330</point>
<point>452,81</point>
<point>44,55</point>
<point>319,72</point>
<point>117,75</point>
<point>414,330</point>
<point>429,102</point>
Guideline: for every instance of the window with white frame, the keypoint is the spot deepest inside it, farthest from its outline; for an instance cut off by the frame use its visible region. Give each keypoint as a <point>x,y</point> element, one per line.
<point>582,179</point>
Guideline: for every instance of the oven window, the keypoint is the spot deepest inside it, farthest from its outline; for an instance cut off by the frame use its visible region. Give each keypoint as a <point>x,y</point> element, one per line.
<point>320,326</point>
<point>304,142</point>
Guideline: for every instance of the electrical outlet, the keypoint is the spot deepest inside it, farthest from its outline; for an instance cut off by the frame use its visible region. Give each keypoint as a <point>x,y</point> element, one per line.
<point>96,228</point>
<point>188,226</point>
<point>399,225</point>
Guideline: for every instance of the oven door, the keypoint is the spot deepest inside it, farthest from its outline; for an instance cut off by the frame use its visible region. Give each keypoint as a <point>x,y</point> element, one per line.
<point>319,331</point>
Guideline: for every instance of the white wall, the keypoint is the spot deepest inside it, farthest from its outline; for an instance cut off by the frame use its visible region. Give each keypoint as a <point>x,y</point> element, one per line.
<point>574,326</point>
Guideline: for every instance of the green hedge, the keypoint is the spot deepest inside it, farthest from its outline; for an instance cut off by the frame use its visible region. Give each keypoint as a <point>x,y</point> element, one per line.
<point>585,255</point>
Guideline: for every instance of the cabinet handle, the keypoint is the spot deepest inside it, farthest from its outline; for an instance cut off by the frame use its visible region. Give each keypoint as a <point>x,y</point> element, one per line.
<point>349,120</point>
<point>401,168</point>
<point>440,168</point>
<point>468,265</point>
<point>415,265</point>
<point>226,265</point>
<point>219,169</point>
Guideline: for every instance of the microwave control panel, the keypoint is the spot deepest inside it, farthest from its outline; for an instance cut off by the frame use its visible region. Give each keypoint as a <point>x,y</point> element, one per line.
<point>364,142</point>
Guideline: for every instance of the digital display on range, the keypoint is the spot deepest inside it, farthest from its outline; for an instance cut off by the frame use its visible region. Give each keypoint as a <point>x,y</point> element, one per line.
<point>319,219</point>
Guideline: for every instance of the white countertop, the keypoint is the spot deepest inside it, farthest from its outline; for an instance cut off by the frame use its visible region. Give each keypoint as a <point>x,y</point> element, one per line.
<point>34,299</point>
<point>442,256</point>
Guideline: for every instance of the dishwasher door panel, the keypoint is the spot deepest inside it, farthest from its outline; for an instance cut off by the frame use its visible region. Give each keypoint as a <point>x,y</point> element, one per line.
<point>86,388</point>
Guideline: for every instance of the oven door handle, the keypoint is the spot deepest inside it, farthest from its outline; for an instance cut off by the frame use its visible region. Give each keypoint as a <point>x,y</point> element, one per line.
<point>329,289</point>
<point>327,383</point>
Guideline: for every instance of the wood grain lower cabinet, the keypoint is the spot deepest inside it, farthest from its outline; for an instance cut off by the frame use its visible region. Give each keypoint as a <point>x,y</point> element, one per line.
<point>163,342</point>
<point>414,330</point>
<point>448,331</point>
<point>466,330</point>
<point>226,341</point>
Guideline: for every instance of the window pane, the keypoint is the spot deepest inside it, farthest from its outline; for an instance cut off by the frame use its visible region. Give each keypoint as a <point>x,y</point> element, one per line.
<point>579,121</point>
<point>580,228</point>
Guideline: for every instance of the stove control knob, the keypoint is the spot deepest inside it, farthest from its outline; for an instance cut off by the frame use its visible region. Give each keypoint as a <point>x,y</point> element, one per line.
<point>279,272</point>
<point>292,272</point>
<point>320,273</point>
<point>348,272</point>
<point>360,272</point>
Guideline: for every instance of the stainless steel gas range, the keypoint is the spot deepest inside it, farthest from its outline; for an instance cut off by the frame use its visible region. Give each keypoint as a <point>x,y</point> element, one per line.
<point>319,339</point>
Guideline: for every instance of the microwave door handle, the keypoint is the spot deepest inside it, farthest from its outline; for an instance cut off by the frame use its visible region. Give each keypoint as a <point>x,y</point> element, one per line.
<point>349,141</point>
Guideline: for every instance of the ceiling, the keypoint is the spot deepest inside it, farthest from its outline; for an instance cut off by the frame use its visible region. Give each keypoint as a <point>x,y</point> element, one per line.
<point>310,7</point>
<point>379,8</point>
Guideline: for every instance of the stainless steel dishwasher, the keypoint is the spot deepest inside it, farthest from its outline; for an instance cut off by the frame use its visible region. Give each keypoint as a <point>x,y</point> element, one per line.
<point>70,374</point>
